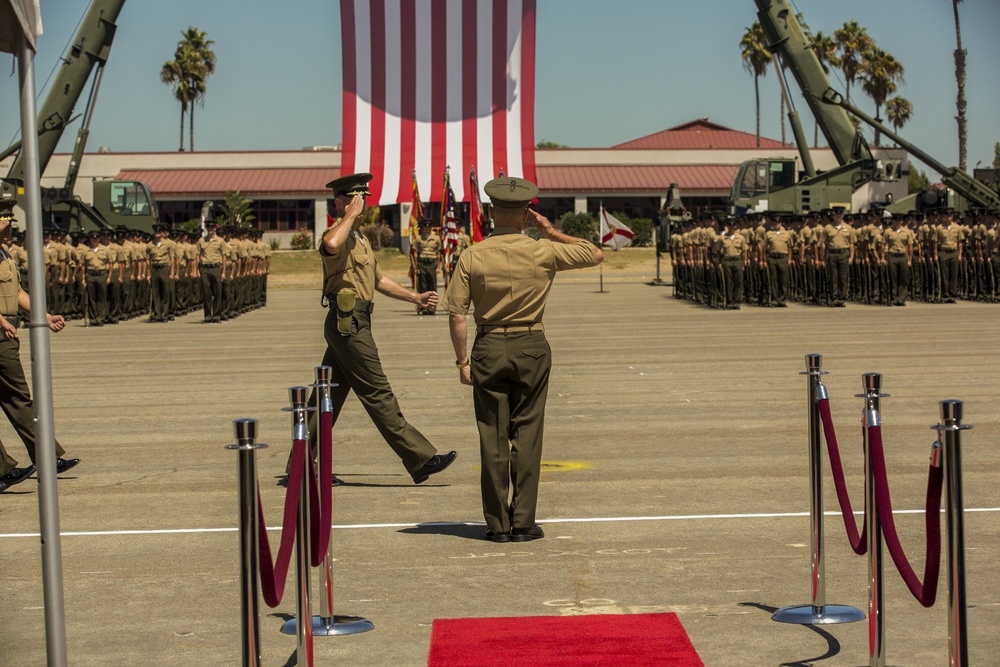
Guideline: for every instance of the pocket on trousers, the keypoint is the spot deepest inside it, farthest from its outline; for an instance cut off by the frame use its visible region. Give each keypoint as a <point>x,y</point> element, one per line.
<point>478,355</point>
<point>535,352</point>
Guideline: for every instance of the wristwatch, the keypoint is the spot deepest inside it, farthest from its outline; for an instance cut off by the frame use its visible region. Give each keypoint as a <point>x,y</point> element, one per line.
<point>461,364</point>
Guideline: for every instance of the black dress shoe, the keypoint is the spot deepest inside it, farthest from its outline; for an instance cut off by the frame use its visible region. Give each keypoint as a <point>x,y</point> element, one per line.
<point>527,534</point>
<point>16,476</point>
<point>62,465</point>
<point>498,537</point>
<point>437,463</point>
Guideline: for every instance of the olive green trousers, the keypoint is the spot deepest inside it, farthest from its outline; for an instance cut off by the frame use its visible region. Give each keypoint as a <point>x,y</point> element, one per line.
<point>356,366</point>
<point>510,372</point>
<point>15,400</point>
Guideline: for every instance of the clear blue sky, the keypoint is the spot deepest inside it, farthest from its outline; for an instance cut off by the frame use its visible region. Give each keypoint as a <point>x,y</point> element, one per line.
<point>606,72</point>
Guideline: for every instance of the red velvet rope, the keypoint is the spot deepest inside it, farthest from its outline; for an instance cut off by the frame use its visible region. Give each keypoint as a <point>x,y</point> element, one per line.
<point>324,513</point>
<point>859,542</point>
<point>927,591</point>
<point>274,573</point>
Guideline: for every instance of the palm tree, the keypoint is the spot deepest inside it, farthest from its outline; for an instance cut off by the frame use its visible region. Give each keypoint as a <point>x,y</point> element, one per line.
<point>237,209</point>
<point>825,48</point>
<point>960,54</point>
<point>898,110</point>
<point>756,58</point>
<point>879,73</point>
<point>852,41</point>
<point>201,66</point>
<point>174,74</point>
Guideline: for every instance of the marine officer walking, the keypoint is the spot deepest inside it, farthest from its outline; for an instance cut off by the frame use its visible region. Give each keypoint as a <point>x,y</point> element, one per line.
<point>351,276</point>
<point>506,280</point>
<point>15,398</point>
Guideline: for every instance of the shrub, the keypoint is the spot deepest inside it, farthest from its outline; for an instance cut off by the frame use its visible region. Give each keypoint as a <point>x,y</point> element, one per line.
<point>302,241</point>
<point>642,230</point>
<point>379,236</point>
<point>580,225</point>
<point>275,243</point>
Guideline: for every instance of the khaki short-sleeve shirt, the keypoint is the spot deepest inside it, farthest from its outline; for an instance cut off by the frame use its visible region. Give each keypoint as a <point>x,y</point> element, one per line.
<point>507,277</point>
<point>353,266</point>
<point>10,284</point>
<point>840,238</point>
<point>897,241</point>
<point>210,251</point>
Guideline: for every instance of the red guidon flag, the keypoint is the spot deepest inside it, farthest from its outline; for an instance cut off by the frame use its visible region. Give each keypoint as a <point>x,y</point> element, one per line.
<point>431,83</point>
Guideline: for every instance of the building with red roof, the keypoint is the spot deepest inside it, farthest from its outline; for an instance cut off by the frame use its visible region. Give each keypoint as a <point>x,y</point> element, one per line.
<point>289,193</point>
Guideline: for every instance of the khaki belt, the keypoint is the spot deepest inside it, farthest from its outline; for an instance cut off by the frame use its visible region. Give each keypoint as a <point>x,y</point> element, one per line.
<point>509,328</point>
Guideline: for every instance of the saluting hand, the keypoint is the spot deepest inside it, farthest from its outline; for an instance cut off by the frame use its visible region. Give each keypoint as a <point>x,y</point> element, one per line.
<point>540,221</point>
<point>355,207</point>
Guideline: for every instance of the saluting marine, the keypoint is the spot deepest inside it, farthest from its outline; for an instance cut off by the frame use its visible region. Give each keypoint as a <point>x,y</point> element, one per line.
<point>351,276</point>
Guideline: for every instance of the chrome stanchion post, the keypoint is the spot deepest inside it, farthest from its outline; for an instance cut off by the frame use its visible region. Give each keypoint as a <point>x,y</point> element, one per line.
<point>247,446</point>
<point>951,428</point>
<point>324,375</point>
<point>817,612</point>
<point>304,652</point>
<point>872,384</point>
<point>328,624</point>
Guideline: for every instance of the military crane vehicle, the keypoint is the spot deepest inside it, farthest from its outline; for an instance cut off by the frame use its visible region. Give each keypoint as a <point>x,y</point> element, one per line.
<point>964,191</point>
<point>776,183</point>
<point>128,203</point>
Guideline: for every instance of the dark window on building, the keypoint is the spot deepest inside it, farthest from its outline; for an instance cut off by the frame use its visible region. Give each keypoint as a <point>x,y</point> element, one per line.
<point>176,213</point>
<point>554,208</point>
<point>633,207</point>
<point>281,215</point>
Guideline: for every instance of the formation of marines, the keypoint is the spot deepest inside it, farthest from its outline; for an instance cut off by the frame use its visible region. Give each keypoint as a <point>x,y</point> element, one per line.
<point>830,257</point>
<point>107,276</point>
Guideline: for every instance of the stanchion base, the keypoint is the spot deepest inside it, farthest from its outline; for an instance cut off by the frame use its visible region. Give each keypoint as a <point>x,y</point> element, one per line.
<point>329,627</point>
<point>807,614</point>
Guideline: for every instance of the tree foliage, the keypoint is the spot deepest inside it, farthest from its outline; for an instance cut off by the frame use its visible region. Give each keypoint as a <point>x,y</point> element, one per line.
<point>898,110</point>
<point>544,143</point>
<point>237,210</point>
<point>187,74</point>
<point>880,72</point>
<point>917,181</point>
<point>756,58</point>
<point>852,42</point>
<point>580,225</point>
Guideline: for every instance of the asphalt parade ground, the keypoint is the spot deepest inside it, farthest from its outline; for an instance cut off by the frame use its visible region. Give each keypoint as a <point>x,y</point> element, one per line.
<point>676,480</point>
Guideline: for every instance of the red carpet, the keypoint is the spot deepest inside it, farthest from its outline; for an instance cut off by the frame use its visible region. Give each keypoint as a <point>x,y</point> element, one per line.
<point>607,640</point>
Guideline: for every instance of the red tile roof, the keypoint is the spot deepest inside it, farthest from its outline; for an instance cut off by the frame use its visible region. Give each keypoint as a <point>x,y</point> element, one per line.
<point>250,182</point>
<point>699,135</point>
<point>635,178</point>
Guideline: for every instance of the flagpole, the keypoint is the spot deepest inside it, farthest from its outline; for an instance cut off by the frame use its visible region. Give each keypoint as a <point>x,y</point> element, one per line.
<point>600,241</point>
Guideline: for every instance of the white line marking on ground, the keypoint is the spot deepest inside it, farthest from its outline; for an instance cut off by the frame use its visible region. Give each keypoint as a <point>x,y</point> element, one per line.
<point>680,517</point>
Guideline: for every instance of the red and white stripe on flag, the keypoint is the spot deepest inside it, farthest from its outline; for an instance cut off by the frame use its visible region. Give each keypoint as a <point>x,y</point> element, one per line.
<point>435,83</point>
<point>614,232</point>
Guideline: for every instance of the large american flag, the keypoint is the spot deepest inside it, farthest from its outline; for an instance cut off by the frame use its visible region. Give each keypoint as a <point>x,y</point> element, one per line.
<point>433,83</point>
